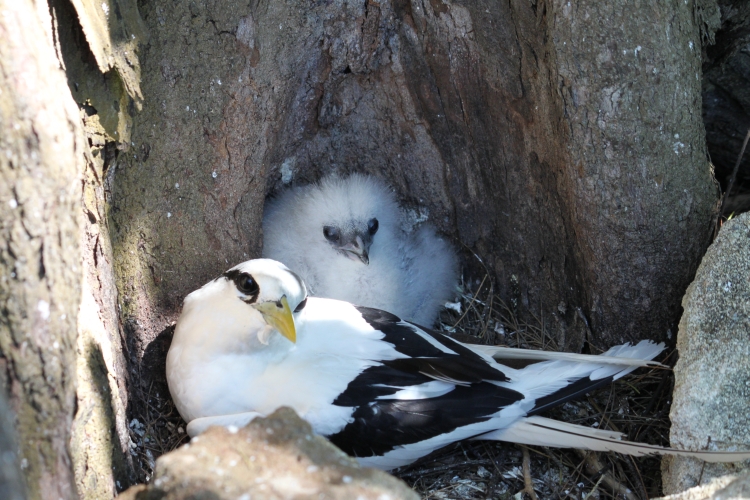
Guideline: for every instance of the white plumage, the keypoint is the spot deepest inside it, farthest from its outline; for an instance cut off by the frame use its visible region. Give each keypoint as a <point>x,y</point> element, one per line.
<point>345,237</point>
<point>383,390</point>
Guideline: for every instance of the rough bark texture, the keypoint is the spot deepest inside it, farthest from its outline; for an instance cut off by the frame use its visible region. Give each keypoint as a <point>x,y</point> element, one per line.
<point>40,284</point>
<point>641,196</point>
<point>45,152</point>
<point>96,47</point>
<point>726,97</point>
<point>102,462</point>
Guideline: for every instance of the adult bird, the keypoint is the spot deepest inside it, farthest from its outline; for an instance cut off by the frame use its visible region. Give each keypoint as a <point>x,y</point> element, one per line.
<point>346,238</point>
<point>384,390</point>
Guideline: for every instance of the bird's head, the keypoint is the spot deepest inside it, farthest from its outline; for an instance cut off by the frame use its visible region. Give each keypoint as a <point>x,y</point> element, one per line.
<point>352,239</point>
<point>355,213</point>
<point>255,299</point>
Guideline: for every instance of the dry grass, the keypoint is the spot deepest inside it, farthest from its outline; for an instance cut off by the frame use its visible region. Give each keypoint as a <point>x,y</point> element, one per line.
<point>637,405</point>
<point>155,425</point>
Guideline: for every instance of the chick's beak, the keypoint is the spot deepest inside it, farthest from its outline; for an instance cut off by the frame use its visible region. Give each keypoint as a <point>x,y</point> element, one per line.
<point>358,249</point>
<point>360,255</point>
<point>279,315</point>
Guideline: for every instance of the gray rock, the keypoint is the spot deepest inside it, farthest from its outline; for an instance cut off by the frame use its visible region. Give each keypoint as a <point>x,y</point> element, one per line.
<point>277,457</point>
<point>719,488</point>
<point>738,489</point>
<point>712,377</point>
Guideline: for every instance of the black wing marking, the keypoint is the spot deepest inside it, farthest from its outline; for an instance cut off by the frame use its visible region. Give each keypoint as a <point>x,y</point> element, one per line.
<point>376,381</point>
<point>450,368</point>
<point>463,367</point>
<point>569,392</point>
<point>400,335</point>
<point>382,425</point>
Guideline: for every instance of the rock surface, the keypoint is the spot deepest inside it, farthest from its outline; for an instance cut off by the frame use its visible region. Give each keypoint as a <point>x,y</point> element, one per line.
<point>712,377</point>
<point>720,488</point>
<point>272,458</point>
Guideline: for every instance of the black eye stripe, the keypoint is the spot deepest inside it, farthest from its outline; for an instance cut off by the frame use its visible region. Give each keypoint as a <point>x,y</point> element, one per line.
<point>231,275</point>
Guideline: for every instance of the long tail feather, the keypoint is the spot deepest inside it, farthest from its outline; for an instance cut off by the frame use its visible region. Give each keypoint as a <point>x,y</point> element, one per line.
<point>500,353</point>
<point>547,432</point>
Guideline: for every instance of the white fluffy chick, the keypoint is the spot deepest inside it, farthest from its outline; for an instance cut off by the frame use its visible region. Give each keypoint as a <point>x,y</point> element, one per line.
<point>345,238</point>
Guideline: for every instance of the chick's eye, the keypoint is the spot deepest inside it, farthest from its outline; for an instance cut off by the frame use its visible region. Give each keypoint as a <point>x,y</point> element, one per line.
<point>246,284</point>
<point>331,233</point>
<point>372,226</point>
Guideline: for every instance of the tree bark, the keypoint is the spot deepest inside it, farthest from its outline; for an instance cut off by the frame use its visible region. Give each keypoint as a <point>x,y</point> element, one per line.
<point>55,232</point>
<point>642,197</point>
<point>96,45</point>
<point>40,269</point>
<point>102,462</point>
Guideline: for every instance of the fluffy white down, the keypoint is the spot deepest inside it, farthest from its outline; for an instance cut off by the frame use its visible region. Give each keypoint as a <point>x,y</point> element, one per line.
<point>411,274</point>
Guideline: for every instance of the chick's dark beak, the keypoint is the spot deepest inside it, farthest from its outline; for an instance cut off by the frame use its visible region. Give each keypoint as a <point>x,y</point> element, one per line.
<point>358,248</point>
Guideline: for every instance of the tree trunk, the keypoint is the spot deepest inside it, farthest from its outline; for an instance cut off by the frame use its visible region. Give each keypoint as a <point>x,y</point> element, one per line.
<point>55,232</point>
<point>641,198</point>
<point>96,46</point>
<point>40,265</point>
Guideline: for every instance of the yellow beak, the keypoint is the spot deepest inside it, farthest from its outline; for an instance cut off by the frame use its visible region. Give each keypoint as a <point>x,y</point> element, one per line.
<point>279,315</point>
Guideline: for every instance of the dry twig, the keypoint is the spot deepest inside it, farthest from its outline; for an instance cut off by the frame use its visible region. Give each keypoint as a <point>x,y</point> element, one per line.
<point>528,485</point>
<point>595,467</point>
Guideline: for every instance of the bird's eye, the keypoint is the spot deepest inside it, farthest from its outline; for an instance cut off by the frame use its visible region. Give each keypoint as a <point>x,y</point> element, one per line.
<point>301,305</point>
<point>246,284</point>
<point>331,233</point>
<point>372,226</point>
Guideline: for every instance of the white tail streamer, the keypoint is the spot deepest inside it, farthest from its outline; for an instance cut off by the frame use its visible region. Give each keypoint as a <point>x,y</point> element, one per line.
<point>542,431</point>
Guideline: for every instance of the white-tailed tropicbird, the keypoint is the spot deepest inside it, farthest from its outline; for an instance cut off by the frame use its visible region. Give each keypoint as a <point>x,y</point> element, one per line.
<point>345,238</point>
<point>384,390</point>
